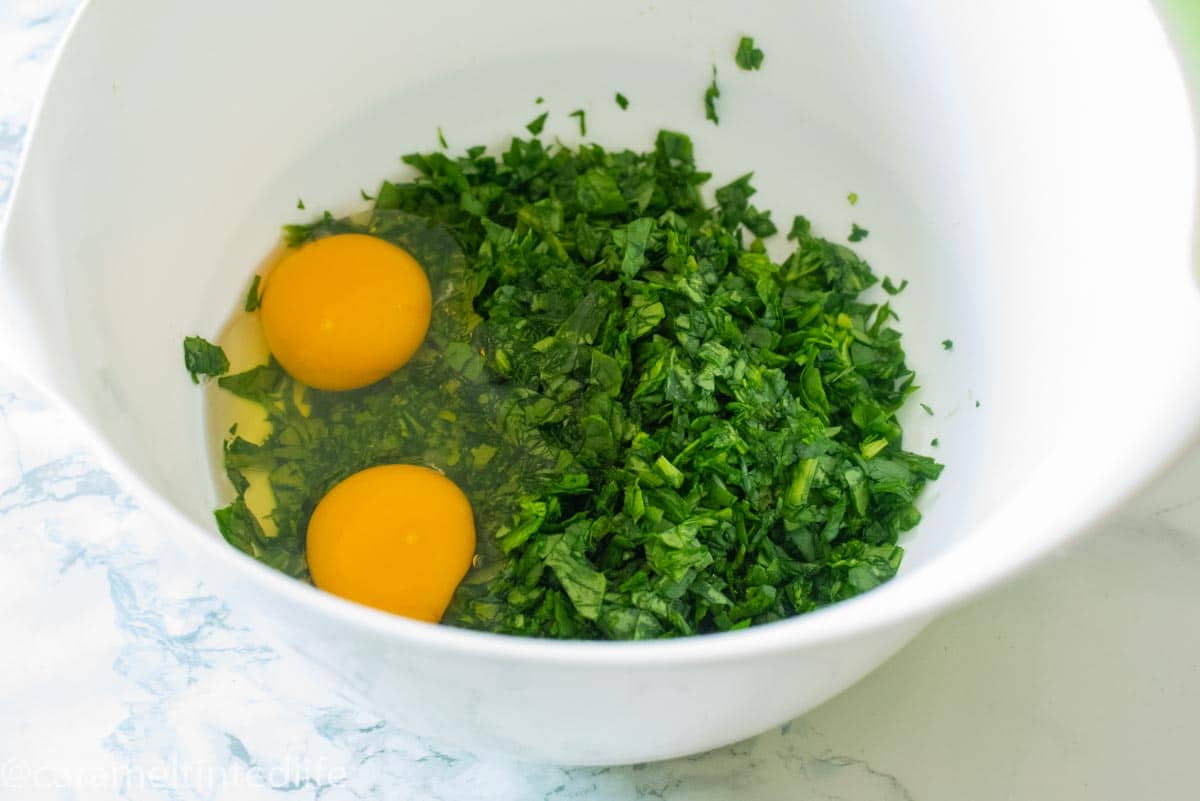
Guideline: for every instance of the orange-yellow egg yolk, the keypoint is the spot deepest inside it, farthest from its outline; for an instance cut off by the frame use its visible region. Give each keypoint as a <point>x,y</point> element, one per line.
<point>345,311</point>
<point>397,537</point>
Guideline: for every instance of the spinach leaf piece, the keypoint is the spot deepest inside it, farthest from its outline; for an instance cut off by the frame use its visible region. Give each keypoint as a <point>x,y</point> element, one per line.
<point>581,115</point>
<point>748,57</point>
<point>710,99</point>
<point>535,127</point>
<point>201,357</point>
<point>253,297</point>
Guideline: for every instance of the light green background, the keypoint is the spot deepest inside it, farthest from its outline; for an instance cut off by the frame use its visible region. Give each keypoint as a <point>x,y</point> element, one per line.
<point>1183,18</point>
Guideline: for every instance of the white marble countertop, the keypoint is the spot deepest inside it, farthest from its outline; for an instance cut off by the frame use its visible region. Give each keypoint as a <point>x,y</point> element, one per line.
<point>122,676</point>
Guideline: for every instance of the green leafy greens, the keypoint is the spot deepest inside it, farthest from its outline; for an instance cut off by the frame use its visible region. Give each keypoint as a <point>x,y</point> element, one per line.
<point>581,115</point>
<point>710,98</point>
<point>748,57</point>
<point>663,430</point>
<point>201,357</point>
<point>253,298</point>
<point>535,127</point>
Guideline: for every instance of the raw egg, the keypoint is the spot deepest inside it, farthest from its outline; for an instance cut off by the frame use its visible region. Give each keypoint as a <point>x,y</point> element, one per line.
<point>397,537</point>
<point>344,311</point>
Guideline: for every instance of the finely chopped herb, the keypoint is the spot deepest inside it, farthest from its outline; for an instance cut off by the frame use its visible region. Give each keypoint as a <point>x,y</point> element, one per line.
<point>710,99</point>
<point>748,57</point>
<point>581,115</point>
<point>201,357</point>
<point>253,297</point>
<point>538,124</point>
<point>662,430</point>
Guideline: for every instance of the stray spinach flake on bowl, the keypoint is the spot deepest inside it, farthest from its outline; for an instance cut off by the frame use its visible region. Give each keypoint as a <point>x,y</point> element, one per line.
<point>662,431</point>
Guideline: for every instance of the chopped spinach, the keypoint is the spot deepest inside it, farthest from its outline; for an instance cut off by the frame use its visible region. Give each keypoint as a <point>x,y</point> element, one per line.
<point>858,233</point>
<point>201,357</point>
<point>538,124</point>
<point>663,430</point>
<point>748,57</point>
<point>947,344</point>
<point>710,99</point>
<point>622,101</point>
<point>253,298</point>
<point>582,116</point>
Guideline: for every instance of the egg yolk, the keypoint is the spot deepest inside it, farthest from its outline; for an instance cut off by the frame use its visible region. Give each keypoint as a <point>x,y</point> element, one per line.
<point>344,311</point>
<point>397,537</point>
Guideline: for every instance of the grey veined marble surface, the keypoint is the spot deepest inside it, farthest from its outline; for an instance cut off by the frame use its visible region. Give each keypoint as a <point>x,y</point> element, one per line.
<point>122,676</point>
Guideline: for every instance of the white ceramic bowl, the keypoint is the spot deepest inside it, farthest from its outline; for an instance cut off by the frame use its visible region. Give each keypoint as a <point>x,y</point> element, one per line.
<point>1027,165</point>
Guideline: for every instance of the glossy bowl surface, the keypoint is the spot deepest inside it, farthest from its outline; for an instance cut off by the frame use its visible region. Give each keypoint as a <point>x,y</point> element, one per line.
<point>1027,166</point>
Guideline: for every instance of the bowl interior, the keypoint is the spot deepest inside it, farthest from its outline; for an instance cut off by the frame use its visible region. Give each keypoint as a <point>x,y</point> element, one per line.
<point>1039,209</point>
